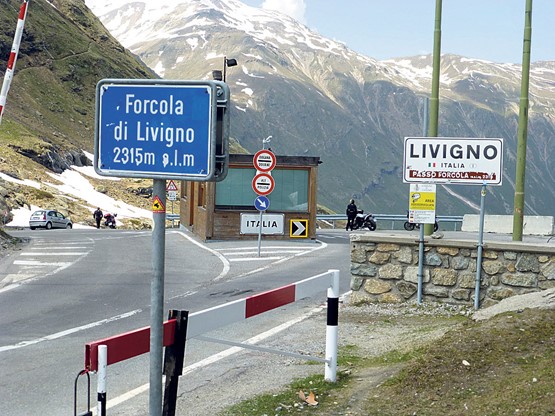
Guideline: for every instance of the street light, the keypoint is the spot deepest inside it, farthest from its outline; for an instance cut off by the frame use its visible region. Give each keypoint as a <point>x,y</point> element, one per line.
<point>228,63</point>
<point>266,140</point>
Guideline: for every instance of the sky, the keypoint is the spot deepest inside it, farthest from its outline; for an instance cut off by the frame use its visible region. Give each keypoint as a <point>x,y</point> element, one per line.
<point>492,30</point>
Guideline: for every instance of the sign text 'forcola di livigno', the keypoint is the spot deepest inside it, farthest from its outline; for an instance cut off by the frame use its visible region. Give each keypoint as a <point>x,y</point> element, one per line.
<point>453,160</point>
<point>155,130</point>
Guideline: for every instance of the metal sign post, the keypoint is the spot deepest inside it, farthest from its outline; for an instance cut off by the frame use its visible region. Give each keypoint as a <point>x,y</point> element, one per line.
<point>261,203</point>
<point>263,184</point>
<point>161,130</point>
<point>480,248</point>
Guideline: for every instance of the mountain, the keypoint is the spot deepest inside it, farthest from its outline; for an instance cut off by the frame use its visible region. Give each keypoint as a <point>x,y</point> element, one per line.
<point>317,97</point>
<point>48,122</point>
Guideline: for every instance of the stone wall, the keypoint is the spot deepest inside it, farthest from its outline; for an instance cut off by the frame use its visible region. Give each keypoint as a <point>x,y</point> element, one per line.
<point>385,269</point>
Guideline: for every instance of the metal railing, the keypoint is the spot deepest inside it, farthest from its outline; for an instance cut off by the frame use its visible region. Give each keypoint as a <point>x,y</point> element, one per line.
<point>173,218</point>
<point>393,219</point>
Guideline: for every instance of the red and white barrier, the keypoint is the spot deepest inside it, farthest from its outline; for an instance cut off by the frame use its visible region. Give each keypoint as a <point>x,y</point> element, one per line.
<point>13,56</point>
<point>136,342</point>
<point>241,309</point>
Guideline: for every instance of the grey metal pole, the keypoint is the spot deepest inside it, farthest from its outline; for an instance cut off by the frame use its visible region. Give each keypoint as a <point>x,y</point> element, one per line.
<point>425,123</point>
<point>157,296</point>
<point>420,264</point>
<point>259,233</point>
<point>480,248</point>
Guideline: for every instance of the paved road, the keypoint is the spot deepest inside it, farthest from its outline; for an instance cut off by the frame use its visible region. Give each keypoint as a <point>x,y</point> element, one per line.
<point>68,287</point>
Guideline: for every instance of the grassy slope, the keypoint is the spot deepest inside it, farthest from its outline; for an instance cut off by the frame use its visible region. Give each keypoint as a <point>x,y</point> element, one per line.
<point>503,366</point>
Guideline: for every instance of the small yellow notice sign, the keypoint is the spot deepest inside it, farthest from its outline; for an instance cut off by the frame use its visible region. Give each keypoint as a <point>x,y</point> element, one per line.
<point>422,203</point>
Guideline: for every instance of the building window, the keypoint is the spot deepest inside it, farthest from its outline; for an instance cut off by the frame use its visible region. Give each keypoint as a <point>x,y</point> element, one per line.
<point>290,192</point>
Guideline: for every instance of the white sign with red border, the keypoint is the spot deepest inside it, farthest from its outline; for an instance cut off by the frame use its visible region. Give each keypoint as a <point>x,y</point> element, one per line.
<point>453,160</point>
<point>264,160</point>
<point>171,186</point>
<point>263,184</point>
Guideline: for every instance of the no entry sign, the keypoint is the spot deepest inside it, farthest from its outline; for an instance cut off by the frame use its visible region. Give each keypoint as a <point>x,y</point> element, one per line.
<point>264,160</point>
<point>263,184</point>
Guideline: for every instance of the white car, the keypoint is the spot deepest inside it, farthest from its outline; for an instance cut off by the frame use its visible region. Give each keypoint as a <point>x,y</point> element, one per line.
<point>49,218</point>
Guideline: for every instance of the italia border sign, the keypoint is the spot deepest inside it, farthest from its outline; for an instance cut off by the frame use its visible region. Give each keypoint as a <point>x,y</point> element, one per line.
<point>156,129</point>
<point>453,160</point>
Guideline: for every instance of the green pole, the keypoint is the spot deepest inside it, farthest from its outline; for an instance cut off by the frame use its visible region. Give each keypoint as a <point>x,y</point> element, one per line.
<point>434,99</point>
<point>518,213</point>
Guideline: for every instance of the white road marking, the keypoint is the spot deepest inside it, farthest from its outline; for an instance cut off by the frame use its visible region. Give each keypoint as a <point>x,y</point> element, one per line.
<point>244,253</point>
<point>255,259</point>
<point>73,253</point>
<point>224,261</point>
<point>69,331</point>
<point>57,248</point>
<point>40,263</point>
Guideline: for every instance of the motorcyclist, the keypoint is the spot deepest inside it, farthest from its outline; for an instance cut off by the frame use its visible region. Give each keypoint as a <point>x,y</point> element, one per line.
<point>110,220</point>
<point>351,212</point>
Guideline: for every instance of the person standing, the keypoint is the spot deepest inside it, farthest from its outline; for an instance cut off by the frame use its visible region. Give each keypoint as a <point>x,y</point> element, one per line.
<point>98,216</point>
<point>351,214</point>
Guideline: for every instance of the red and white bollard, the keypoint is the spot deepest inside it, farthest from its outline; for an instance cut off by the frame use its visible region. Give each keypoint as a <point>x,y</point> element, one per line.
<point>13,56</point>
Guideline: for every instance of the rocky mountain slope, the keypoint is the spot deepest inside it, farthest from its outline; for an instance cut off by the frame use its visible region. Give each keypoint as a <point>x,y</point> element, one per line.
<point>48,121</point>
<point>317,97</point>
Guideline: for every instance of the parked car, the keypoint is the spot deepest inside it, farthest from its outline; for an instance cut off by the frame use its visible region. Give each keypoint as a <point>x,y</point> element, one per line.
<point>49,218</point>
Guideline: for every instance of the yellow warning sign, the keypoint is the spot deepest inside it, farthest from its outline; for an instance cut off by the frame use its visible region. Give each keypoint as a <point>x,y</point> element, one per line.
<point>157,205</point>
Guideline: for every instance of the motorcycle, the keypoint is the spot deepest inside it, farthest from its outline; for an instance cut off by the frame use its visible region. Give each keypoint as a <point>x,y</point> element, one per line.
<point>364,221</point>
<point>110,220</point>
<point>410,226</point>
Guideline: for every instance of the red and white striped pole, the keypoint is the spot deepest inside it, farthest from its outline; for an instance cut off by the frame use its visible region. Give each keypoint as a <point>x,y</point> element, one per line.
<point>13,56</point>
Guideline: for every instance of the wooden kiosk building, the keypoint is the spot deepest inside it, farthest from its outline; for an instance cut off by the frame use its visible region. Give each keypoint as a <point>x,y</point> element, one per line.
<point>226,210</point>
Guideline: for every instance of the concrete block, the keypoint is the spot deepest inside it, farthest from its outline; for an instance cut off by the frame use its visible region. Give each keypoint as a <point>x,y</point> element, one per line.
<point>533,224</point>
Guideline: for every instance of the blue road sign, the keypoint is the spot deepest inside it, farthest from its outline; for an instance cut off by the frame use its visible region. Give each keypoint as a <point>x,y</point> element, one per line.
<point>156,129</point>
<point>261,203</point>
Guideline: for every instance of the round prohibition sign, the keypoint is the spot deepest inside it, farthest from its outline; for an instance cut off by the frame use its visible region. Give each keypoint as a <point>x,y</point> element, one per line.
<point>263,184</point>
<point>264,160</point>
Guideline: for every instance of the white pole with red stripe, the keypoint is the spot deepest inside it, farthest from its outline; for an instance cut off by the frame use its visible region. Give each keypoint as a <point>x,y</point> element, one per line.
<point>13,56</point>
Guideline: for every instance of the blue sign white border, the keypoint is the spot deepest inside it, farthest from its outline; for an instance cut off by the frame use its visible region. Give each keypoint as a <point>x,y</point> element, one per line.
<point>204,177</point>
<point>261,203</point>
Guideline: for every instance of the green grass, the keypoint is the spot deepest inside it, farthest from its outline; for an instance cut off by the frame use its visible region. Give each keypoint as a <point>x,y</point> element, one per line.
<point>288,401</point>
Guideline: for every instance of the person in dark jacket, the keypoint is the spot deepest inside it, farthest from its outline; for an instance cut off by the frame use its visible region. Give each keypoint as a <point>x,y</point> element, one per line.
<point>98,216</point>
<point>351,214</point>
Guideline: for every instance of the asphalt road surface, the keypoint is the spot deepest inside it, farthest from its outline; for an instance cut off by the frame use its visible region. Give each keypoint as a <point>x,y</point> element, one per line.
<point>69,287</point>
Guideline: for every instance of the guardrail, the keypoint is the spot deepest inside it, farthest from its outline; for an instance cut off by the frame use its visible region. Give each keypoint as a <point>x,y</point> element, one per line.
<point>173,218</point>
<point>456,220</point>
